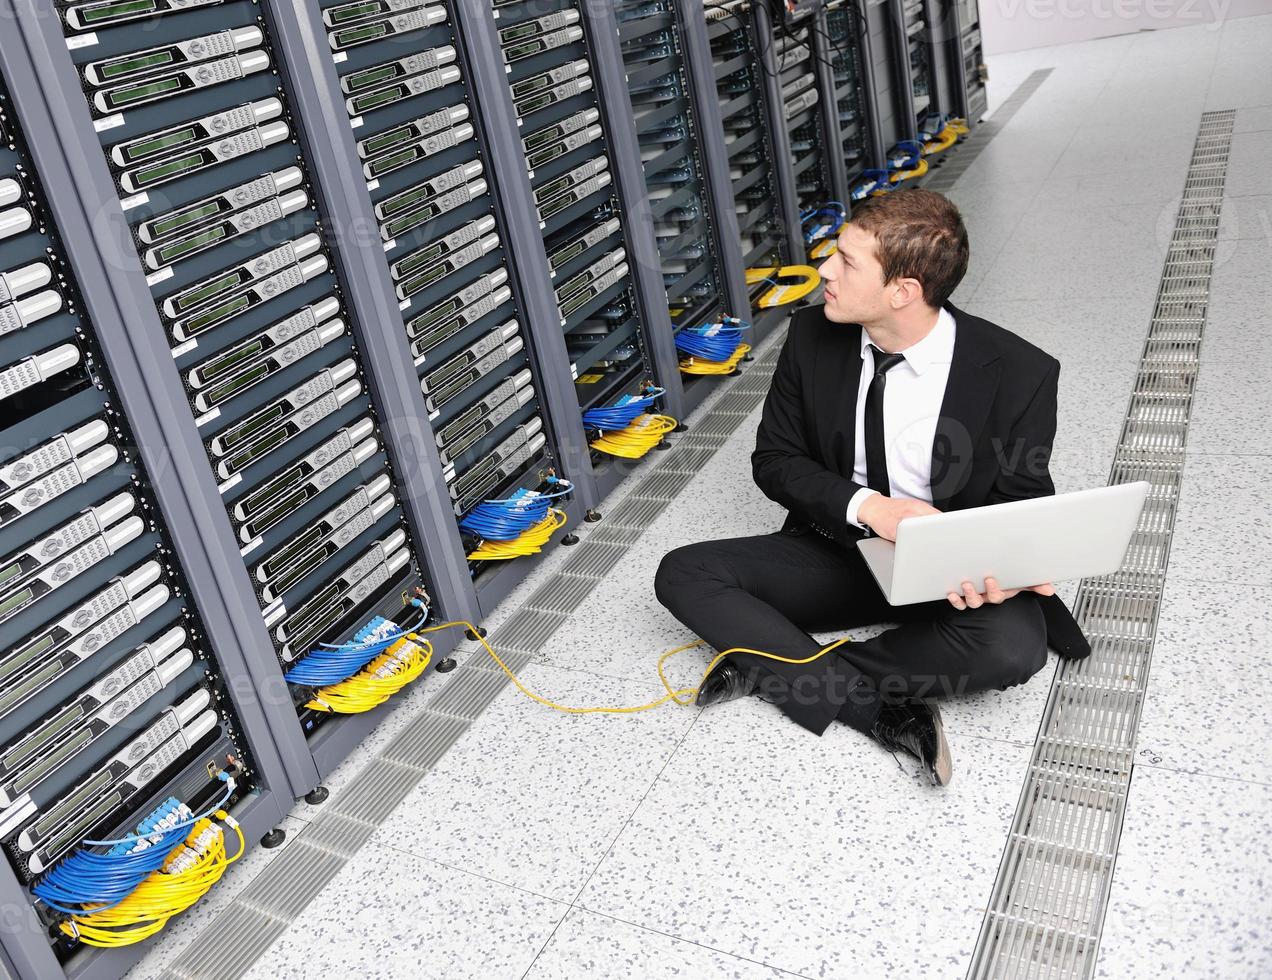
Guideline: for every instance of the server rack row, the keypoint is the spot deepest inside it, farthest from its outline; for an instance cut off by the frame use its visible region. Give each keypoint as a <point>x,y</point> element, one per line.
<point>329,276</point>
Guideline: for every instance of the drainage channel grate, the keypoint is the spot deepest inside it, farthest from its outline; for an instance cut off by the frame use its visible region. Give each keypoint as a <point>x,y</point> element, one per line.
<point>274,898</point>
<point>1047,907</point>
<point>951,169</point>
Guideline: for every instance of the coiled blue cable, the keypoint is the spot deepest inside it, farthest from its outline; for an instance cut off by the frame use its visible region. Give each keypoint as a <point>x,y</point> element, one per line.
<point>613,418</point>
<point>88,878</point>
<point>329,663</point>
<point>712,341</point>
<point>508,518</point>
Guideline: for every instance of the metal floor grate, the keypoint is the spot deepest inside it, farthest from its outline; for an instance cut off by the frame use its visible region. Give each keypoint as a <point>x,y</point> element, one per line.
<point>273,899</point>
<point>1047,907</point>
<point>951,169</point>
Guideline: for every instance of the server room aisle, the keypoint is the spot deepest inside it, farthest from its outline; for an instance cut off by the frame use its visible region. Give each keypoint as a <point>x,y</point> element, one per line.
<point>731,843</point>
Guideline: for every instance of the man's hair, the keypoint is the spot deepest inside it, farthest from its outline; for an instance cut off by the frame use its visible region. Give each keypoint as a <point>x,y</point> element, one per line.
<point>921,236</point>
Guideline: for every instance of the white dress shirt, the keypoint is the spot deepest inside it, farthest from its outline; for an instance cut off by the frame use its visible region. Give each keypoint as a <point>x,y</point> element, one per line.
<point>912,400</point>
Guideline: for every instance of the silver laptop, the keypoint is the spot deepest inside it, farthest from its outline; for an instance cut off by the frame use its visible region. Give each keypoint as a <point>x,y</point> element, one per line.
<point>1020,543</point>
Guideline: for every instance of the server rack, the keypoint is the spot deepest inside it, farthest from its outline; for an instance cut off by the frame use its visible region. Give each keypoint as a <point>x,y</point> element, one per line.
<point>423,150</point>
<point>684,168</point>
<point>889,60</point>
<point>563,68</point>
<point>228,224</point>
<point>808,104</point>
<point>745,67</point>
<point>847,38</point>
<point>115,697</point>
<point>968,59</point>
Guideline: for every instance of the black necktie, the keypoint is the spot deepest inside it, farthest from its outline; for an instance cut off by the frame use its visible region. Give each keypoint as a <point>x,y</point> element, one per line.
<point>876,457</point>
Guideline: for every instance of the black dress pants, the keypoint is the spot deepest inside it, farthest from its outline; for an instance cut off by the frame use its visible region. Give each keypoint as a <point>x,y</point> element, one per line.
<point>770,591</point>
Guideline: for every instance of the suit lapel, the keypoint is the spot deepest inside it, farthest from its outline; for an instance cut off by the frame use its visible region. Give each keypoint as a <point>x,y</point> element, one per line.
<point>969,393</point>
<point>838,373</point>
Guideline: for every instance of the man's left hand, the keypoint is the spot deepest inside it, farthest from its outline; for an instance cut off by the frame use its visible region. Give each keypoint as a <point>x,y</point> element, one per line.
<point>971,599</point>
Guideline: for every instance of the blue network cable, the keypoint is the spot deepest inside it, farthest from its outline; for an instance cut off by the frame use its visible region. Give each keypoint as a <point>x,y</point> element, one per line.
<point>510,517</point>
<point>331,663</point>
<point>89,878</point>
<point>712,341</point>
<point>620,415</point>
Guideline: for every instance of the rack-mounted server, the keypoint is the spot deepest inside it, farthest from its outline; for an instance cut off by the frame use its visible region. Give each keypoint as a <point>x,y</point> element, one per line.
<point>420,141</point>
<point>202,143</point>
<point>112,698</point>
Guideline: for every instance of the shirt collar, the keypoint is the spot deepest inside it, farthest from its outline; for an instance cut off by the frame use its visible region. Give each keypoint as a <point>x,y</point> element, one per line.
<point>936,348</point>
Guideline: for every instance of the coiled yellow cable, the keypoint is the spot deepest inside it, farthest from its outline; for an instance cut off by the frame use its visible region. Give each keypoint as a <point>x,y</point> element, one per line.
<point>201,859</point>
<point>824,249</point>
<point>399,665</point>
<point>528,542</point>
<point>683,696</point>
<point>698,365</point>
<point>784,293</point>
<point>641,435</point>
<point>946,138</point>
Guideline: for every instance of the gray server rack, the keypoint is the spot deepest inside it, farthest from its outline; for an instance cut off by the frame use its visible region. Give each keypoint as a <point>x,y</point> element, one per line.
<point>847,39</point>
<point>114,695</point>
<point>753,124</point>
<point>969,57</point>
<point>685,169</point>
<point>422,140</point>
<point>210,166</point>
<point>563,68</point>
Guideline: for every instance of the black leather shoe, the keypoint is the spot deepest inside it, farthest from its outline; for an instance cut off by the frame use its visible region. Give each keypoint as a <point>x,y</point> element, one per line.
<point>725,683</point>
<point>915,727</point>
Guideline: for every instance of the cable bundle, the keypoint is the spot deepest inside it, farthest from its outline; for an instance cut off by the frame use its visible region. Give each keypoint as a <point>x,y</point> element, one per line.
<point>697,365</point>
<point>783,293</point>
<point>188,874</point>
<point>331,663</point>
<point>834,210</point>
<point>507,519</point>
<point>529,542</point>
<point>405,661</point>
<point>872,181</point>
<point>906,164</point>
<point>633,442</point>
<point>712,341</point>
<point>141,880</point>
<point>621,414</point>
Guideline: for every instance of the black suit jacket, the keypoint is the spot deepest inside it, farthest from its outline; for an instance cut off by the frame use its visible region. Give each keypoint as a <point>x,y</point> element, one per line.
<point>992,444</point>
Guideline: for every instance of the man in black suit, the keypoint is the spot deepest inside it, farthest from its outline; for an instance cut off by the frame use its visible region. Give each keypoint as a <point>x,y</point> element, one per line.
<point>886,403</point>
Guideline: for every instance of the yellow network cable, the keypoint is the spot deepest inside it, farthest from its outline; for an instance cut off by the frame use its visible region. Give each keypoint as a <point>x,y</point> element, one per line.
<point>824,249</point>
<point>641,435</point>
<point>911,174</point>
<point>683,696</point>
<point>399,665</point>
<point>190,871</point>
<point>784,293</point>
<point>699,365</point>
<point>528,542</point>
<point>946,138</point>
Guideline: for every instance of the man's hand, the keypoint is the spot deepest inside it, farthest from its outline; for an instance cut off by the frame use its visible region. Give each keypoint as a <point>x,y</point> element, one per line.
<point>882,514</point>
<point>971,599</point>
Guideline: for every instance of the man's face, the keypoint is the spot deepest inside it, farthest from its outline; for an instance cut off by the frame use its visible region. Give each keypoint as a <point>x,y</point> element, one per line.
<point>853,280</point>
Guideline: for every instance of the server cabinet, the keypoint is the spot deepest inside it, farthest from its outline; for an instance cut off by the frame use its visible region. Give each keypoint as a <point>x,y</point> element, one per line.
<point>116,702</point>
<point>859,143</point>
<point>969,61</point>
<point>563,69</point>
<point>756,143</point>
<point>276,367</point>
<point>429,181</point>
<point>687,191</point>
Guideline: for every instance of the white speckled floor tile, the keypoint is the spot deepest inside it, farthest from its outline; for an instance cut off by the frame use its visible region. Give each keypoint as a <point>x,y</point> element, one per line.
<point>1079,330</point>
<point>1253,119</point>
<point>1094,190</point>
<point>523,768</point>
<point>179,932</point>
<point>1247,218</point>
<point>591,945</point>
<point>1230,409</point>
<point>389,913</point>
<point>1091,405</point>
<point>1209,702</point>
<point>1222,529</point>
<point>1054,255</point>
<point>1190,899</point>
<point>1247,164</point>
<point>822,856</point>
